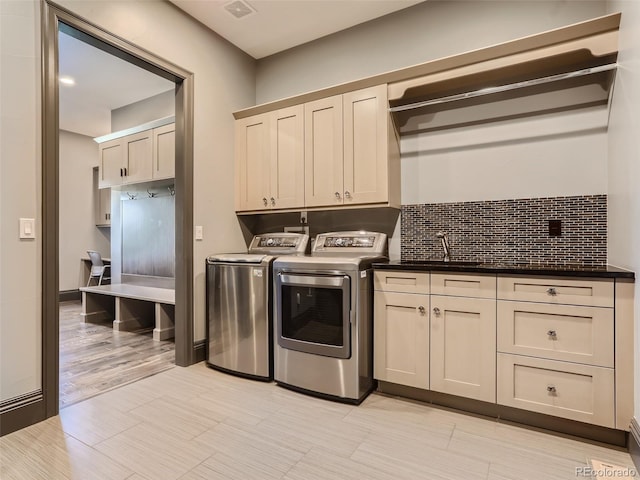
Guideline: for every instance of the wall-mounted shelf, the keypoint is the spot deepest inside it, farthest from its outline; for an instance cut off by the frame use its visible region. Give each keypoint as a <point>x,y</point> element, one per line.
<point>575,73</point>
<point>584,88</point>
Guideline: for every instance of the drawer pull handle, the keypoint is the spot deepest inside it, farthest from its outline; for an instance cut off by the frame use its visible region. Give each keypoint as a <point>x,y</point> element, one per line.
<point>264,200</point>
<point>551,389</point>
<point>552,291</point>
<point>552,333</point>
<point>421,309</point>
<point>337,195</point>
<point>436,311</point>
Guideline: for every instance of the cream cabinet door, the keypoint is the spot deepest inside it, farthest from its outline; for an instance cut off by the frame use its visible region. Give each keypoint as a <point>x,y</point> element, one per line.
<point>365,146</point>
<point>401,338</point>
<point>323,152</point>
<point>287,158</point>
<point>111,161</point>
<point>252,163</point>
<point>138,157</point>
<point>164,152</point>
<point>463,347</point>
<point>103,208</point>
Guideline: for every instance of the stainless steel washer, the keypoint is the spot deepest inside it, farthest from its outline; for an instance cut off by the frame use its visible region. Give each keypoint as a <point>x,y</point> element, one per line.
<point>323,316</point>
<point>239,313</point>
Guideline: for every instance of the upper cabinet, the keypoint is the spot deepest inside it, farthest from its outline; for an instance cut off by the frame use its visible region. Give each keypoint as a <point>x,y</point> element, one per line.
<point>164,152</point>
<point>332,152</point>
<point>349,150</point>
<point>270,160</point>
<point>137,157</point>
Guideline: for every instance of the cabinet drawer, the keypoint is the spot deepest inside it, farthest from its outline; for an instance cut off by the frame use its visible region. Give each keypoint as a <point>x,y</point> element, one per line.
<point>596,293</point>
<point>577,392</point>
<point>463,285</point>
<point>401,281</point>
<point>558,332</point>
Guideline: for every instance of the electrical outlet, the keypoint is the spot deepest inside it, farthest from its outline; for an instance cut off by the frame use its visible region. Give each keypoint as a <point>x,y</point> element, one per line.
<point>303,217</point>
<point>555,228</point>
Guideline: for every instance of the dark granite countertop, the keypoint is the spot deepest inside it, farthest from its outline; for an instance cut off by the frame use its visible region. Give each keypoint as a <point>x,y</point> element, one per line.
<point>604,271</point>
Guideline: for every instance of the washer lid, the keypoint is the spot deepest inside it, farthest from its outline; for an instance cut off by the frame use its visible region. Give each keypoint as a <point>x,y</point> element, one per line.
<point>237,258</point>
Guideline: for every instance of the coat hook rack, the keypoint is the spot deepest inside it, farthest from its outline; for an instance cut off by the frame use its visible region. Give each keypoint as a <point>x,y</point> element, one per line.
<point>151,194</point>
<point>172,190</point>
<point>132,196</point>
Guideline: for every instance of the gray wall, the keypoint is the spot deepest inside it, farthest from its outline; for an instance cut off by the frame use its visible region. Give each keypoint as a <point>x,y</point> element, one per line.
<point>517,162</point>
<point>144,111</point>
<point>624,164</point>
<point>78,156</point>
<point>224,82</point>
<point>417,34</point>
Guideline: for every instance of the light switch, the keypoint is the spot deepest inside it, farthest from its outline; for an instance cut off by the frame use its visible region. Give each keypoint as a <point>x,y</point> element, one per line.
<point>199,232</point>
<point>27,228</point>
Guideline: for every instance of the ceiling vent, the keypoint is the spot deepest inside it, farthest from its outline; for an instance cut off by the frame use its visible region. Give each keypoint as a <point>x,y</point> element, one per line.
<point>239,9</point>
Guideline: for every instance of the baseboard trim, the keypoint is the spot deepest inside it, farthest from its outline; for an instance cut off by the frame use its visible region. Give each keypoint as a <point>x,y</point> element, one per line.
<point>69,295</point>
<point>22,411</point>
<point>634,443</point>
<point>199,351</point>
<point>540,421</point>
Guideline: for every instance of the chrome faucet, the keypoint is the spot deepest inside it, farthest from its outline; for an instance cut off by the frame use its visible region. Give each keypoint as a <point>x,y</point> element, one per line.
<point>445,245</point>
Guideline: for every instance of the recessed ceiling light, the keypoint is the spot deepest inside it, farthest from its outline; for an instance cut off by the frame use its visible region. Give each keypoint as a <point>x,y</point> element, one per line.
<point>239,9</point>
<point>67,81</point>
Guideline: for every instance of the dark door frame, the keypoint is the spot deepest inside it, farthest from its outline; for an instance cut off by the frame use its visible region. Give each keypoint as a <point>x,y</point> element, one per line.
<point>39,407</point>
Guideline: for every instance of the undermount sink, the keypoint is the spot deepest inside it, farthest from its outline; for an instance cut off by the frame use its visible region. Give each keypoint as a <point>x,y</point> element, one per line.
<point>442,262</point>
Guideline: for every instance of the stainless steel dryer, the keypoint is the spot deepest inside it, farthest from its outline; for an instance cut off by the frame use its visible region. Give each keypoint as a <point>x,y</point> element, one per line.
<point>239,307</point>
<point>323,316</point>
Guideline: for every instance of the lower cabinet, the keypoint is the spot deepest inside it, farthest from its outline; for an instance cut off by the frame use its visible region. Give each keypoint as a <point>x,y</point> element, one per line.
<point>401,338</point>
<point>551,345</point>
<point>463,347</point>
<point>570,390</point>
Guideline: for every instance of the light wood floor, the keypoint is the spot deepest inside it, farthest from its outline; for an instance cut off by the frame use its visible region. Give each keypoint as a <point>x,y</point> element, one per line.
<point>94,358</point>
<point>196,423</point>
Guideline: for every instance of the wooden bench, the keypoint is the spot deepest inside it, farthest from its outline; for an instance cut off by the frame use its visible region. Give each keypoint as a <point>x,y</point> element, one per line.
<point>131,307</point>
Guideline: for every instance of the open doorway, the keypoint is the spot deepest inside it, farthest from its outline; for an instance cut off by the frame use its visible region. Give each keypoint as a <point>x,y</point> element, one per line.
<point>103,100</point>
<point>181,188</point>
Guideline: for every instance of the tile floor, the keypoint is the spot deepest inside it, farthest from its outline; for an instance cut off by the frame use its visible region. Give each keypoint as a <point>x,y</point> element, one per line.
<point>196,423</point>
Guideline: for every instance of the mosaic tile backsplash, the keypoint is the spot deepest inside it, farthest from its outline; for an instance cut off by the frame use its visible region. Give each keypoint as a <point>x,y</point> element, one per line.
<point>509,231</point>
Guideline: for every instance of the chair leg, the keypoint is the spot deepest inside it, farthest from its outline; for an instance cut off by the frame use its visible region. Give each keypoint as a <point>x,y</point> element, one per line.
<point>100,279</point>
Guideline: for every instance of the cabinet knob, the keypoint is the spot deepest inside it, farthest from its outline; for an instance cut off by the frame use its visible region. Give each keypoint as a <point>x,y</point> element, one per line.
<point>552,334</point>
<point>337,195</point>
<point>422,310</point>
<point>551,389</point>
<point>436,311</point>
<point>264,200</point>
<point>273,202</point>
<point>347,194</point>
<point>552,291</point>
<point>121,172</point>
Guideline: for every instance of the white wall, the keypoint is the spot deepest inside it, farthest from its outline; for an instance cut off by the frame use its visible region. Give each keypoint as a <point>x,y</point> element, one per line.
<point>224,82</point>
<point>624,161</point>
<point>144,111</point>
<point>78,156</point>
<point>20,196</point>
<point>557,155</point>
